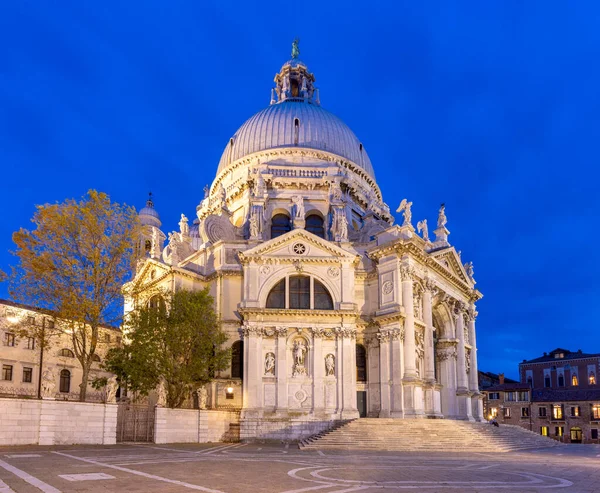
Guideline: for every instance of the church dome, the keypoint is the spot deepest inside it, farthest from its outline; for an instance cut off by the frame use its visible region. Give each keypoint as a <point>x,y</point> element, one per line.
<point>296,122</point>
<point>148,215</point>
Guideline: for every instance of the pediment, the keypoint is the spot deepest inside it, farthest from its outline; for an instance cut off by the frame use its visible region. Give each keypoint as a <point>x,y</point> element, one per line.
<point>150,272</point>
<point>298,243</point>
<point>449,259</point>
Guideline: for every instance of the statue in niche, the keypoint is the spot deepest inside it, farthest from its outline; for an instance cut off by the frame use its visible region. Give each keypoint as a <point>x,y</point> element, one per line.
<point>422,226</point>
<point>329,365</point>
<point>184,229</point>
<point>298,201</point>
<point>48,384</point>
<point>335,190</point>
<point>442,217</point>
<point>111,390</point>
<point>202,397</point>
<point>404,207</point>
<point>259,185</point>
<point>299,352</point>
<point>254,226</point>
<point>343,227</point>
<point>270,364</point>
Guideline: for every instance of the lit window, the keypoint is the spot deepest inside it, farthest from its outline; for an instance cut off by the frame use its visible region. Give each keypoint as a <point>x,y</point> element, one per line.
<point>493,412</point>
<point>592,378</point>
<point>559,431</point>
<point>557,411</point>
<point>574,381</point>
<point>575,411</point>
<point>544,431</point>
<point>524,412</point>
<point>9,339</point>
<point>27,375</point>
<point>596,411</point>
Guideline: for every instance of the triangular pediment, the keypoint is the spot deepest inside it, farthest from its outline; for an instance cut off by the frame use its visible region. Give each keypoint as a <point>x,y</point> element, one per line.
<point>298,242</point>
<point>150,272</point>
<point>450,260</point>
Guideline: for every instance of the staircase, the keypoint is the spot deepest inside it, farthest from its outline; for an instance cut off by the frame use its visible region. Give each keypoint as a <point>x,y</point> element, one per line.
<point>426,435</point>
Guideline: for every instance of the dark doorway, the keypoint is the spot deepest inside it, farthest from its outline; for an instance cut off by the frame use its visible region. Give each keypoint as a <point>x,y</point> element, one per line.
<point>361,403</point>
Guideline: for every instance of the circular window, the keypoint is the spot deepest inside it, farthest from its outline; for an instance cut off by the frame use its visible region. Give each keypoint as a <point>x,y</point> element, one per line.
<point>299,249</point>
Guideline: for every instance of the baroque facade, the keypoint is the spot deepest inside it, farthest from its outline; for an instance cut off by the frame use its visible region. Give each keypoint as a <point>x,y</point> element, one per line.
<point>333,312</point>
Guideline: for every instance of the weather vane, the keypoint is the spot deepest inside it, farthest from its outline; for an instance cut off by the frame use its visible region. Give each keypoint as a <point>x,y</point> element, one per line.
<point>295,49</point>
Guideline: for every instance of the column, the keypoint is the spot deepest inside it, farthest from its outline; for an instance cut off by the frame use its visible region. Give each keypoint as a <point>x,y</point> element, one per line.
<point>253,365</point>
<point>410,366</point>
<point>428,319</point>
<point>477,400</point>
<point>384,373</point>
<point>318,372</point>
<point>396,397</point>
<point>464,397</point>
<point>347,385</point>
<point>281,371</point>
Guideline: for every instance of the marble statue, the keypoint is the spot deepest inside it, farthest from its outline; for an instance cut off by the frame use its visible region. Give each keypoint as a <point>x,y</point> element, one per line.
<point>336,190</point>
<point>469,269</point>
<point>111,390</point>
<point>298,201</point>
<point>295,49</point>
<point>404,207</point>
<point>299,352</point>
<point>441,222</point>
<point>343,227</point>
<point>48,384</point>
<point>202,397</point>
<point>422,226</point>
<point>270,364</point>
<point>254,226</point>
<point>329,365</point>
<point>184,229</point>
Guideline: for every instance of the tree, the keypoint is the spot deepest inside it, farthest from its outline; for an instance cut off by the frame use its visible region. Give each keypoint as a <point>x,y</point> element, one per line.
<point>74,264</point>
<point>176,337</point>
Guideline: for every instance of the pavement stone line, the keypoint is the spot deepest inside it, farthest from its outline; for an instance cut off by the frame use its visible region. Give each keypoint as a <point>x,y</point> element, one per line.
<point>334,472</point>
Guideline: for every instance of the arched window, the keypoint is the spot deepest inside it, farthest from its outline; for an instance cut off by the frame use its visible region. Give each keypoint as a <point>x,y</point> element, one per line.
<point>147,246</point>
<point>65,381</point>
<point>561,381</point>
<point>574,381</point>
<point>361,363</point>
<point>66,353</point>
<point>592,378</point>
<point>280,224</point>
<point>314,224</point>
<point>237,359</point>
<point>156,302</point>
<point>96,358</point>
<point>276,298</point>
<point>300,293</point>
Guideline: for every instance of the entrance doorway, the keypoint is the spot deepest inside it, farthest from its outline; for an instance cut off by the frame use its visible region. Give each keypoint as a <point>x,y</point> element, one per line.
<point>576,435</point>
<point>361,403</point>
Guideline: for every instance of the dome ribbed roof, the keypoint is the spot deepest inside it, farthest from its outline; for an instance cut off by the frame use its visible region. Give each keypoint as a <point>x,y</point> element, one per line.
<point>275,127</point>
<point>149,216</point>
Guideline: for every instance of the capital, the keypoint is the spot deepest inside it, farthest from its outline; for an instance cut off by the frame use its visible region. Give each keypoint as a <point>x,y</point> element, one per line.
<point>407,272</point>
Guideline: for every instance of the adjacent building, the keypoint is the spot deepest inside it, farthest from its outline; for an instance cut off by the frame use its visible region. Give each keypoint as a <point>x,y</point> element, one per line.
<point>558,396</point>
<point>23,362</point>
<point>332,311</point>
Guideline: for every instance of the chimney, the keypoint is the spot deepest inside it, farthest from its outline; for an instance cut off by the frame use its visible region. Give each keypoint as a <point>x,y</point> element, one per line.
<point>501,378</point>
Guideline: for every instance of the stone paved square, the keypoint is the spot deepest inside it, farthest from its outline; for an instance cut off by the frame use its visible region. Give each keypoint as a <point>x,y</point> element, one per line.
<point>281,468</point>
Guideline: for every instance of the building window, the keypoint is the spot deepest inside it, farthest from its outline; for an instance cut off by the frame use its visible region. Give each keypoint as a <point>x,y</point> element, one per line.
<point>595,411</point>
<point>31,320</point>
<point>314,225</point>
<point>302,289</point>
<point>574,381</point>
<point>575,411</point>
<point>7,372</point>
<point>547,382</point>
<point>542,412</point>
<point>494,396</point>
<point>237,359</point>
<point>561,381</point>
<point>361,363</point>
<point>559,431</point>
<point>9,339</point>
<point>530,381</point>
<point>510,396</point>
<point>592,378</point>
<point>65,381</point>
<point>66,353</point>
<point>27,375</point>
<point>507,412</point>
<point>493,412</point>
<point>50,324</point>
<point>523,396</point>
<point>524,412</point>
<point>594,433</point>
<point>30,343</point>
<point>95,358</point>
<point>107,338</point>
<point>280,224</point>
<point>557,411</point>
<point>544,431</point>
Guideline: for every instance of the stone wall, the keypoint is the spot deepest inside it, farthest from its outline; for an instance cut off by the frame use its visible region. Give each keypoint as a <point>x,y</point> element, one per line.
<point>49,422</point>
<point>175,425</point>
<point>215,426</point>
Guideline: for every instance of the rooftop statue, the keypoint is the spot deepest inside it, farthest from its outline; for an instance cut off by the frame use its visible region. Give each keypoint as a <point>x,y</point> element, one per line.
<point>295,49</point>
<point>442,216</point>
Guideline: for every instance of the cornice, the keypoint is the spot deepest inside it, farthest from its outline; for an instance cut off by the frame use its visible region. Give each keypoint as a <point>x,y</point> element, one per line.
<point>295,314</point>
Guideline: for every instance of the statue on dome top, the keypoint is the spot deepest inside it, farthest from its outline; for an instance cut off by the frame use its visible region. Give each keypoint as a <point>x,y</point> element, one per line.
<point>295,49</point>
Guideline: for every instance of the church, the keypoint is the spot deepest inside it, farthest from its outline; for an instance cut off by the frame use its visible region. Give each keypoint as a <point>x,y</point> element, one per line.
<point>332,311</point>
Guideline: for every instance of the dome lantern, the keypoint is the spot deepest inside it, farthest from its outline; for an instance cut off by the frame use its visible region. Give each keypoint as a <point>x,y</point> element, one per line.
<point>294,81</point>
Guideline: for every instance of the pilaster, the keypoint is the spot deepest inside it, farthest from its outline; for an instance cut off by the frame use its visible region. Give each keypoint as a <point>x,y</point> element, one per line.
<point>462,391</point>
<point>318,372</point>
<point>281,371</point>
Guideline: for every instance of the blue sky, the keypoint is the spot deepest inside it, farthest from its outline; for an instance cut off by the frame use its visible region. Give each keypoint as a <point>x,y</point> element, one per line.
<point>490,107</point>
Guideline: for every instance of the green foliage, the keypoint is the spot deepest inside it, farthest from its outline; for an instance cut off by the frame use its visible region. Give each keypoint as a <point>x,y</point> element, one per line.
<point>178,338</point>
